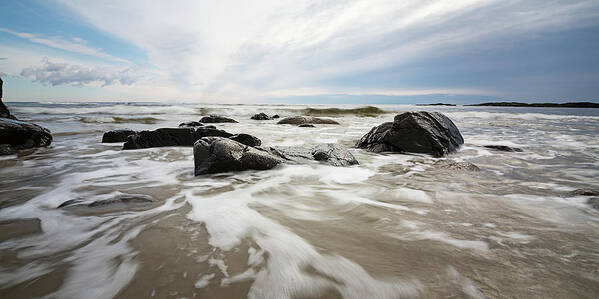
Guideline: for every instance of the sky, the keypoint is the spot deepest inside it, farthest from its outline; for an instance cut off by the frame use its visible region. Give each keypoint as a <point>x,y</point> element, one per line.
<point>330,51</point>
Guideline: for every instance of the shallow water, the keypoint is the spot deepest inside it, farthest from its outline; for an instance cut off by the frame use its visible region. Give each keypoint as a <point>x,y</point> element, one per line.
<point>395,226</point>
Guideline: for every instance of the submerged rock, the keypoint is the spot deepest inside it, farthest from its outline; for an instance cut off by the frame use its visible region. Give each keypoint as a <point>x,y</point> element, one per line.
<point>115,202</point>
<point>414,132</point>
<point>191,124</point>
<point>585,192</point>
<point>17,135</point>
<point>460,166</point>
<point>306,126</point>
<point>300,120</point>
<point>260,116</point>
<point>216,155</point>
<point>503,148</point>
<point>246,139</point>
<point>116,135</point>
<point>275,116</point>
<point>170,137</point>
<point>328,153</point>
<point>217,119</point>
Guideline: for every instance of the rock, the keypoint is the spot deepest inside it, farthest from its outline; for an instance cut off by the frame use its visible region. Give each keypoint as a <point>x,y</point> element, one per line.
<point>216,155</point>
<point>260,116</point>
<point>4,112</point>
<point>503,148</point>
<point>584,192</point>
<point>246,139</point>
<point>6,149</point>
<point>460,166</point>
<point>124,199</point>
<point>333,154</point>
<point>594,203</point>
<point>191,124</point>
<point>216,119</point>
<point>17,135</point>
<point>306,126</point>
<point>170,137</point>
<point>300,120</point>
<point>414,132</point>
<point>275,116</point>
<point>117,135</point>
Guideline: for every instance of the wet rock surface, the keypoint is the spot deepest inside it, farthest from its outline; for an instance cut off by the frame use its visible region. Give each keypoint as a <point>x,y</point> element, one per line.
<point>17,135</point>
<point>414,132</point>
<point>261,116</point>
<point>328,153</point>
<point>306,126</point>
<point>503,148</point>
<point>585,192</point>
<point>246,139</point>
<point>217,119</point>
<point>117,135</point>
<point>459,166</point>
<point>300,120</point>
<point>217,154</point>
<point>191,124</point>
<point>117,202</point>
<point>170,137</point>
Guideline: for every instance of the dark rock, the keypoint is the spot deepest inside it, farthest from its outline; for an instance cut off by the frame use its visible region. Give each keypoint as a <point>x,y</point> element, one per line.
<point>503,148</point>
<point>246,139</point>
<point>414,132</point>
<point>17,135</point>
<point>584,192</point>
<point>191,124</point>
<point>4,112</point>
<point>6,149</point>
<point>333,154</point>
<point>117,135</point>
<point>216,119</point>
<point>124,199</point>
<point>460,166</point>
<point>170,137</point>
<point>306,126</point>
<point>594,202</point>
<point>275,116</point>
<point>216,155</point>
<point>300,120</point>
<point>260,116</point>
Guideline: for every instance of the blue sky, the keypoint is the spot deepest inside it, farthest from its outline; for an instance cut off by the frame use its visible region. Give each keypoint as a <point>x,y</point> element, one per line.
<point>375,51</point>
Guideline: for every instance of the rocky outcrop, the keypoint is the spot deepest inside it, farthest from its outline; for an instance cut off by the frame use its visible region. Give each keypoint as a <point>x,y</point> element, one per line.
<point>117,135</point>
<point>17,135</point>
<point>260,116</point>
<point>170,137</point>
<point>306,126</point>
<point>503,148</point>
<point>119,202</point>
<point>4,112</point>
<point>217,119</point>
<point>414,132</point>
<point>585,192</point>
<point>191,124</point>
<point>216,155</point>
<point>300,120</point>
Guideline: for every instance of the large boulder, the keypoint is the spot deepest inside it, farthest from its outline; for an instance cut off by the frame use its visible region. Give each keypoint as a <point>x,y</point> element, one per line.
<point>217,119</point>
<point>300,120</point>
<point>117,135</point>
<point>216,155</point>
<point>17,135</point>
<point>414,132</point>
<point>170,137</point>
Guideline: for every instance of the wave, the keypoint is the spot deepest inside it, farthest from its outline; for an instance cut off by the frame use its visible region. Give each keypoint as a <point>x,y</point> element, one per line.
<point>120,120</point>
<point>368,111</point>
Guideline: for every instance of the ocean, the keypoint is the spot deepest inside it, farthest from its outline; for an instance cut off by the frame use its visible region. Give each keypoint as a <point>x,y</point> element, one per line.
<point>395,226</point>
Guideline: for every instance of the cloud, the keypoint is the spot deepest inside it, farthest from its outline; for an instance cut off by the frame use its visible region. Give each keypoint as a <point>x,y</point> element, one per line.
<point>64,73</point>
<point>78,45</point>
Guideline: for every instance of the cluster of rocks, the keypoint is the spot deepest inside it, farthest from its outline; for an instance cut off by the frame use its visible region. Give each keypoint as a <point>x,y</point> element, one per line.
<point>18,135</point>
<point>305,120</point>
<point>264,116</point>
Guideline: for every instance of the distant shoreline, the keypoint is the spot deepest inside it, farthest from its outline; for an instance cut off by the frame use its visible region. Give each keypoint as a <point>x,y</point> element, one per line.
<point>517,104</point>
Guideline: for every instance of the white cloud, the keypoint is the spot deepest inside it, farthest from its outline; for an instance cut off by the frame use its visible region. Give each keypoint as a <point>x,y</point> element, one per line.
<point>244,50</point>
<point>59,73</point>
<point>78,45</point>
